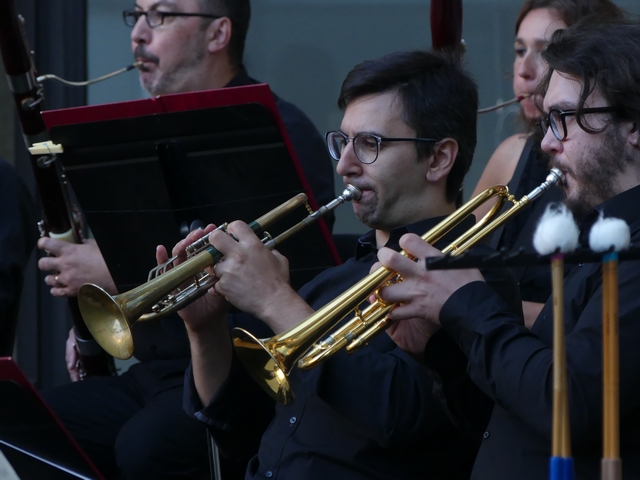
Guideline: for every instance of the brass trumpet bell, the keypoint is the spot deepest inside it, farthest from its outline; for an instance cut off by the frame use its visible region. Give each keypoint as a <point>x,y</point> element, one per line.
<point>110,318</point>
<point>112,330</point>
<point>266,363</point>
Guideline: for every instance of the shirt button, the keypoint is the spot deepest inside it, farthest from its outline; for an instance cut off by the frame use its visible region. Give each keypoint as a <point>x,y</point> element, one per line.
<point>485,435</point>
<point>268,474</point>
<point>293,420</point>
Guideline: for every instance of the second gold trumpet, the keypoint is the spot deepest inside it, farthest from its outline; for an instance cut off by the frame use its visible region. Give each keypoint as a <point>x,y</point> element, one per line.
<point>270,360</point>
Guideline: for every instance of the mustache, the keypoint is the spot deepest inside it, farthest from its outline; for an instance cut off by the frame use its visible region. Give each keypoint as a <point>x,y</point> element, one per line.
<point>552,162</point>
<point>141,54</point>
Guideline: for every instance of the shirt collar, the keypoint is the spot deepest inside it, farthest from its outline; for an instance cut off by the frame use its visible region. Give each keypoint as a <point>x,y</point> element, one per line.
<point>241,79</point>
<point>367,242</point>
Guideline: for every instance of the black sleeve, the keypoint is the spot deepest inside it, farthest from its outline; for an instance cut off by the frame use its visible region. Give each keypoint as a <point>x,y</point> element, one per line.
<point>240,412</point>
<point>467,405</point>
<point>237,415</point>
<point>514,366</point>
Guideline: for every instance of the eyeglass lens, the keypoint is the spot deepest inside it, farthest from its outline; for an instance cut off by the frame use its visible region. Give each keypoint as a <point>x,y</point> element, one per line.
<point>555,122</point>
<point>154,18</point>
<point>364,145</point>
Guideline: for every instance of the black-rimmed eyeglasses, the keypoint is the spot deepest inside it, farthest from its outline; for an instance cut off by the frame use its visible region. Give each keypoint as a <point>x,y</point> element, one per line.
<point>156,18</point>
<point>556,119</point>
<point>365,145</point>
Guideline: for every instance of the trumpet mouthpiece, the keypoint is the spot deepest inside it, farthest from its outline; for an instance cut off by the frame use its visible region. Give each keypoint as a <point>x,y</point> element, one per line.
<point>351,193</point>
<point>555,177</point>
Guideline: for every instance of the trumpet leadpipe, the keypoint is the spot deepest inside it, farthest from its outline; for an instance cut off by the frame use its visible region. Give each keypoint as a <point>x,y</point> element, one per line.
<point>202,281</point>
<point>349,193</point>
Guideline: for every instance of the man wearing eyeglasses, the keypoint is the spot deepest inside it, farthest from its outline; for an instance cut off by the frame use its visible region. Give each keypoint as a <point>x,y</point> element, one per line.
<point>133,425</point>
<point>406,141</point>
<point>591,126</point>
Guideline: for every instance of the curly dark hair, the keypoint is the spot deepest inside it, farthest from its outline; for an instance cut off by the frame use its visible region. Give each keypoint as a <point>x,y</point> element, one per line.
<point>604,56</point>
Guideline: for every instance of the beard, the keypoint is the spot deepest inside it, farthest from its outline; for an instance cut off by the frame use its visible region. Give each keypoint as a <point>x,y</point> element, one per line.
<point>596,177</point>
<point>177,77</point>
<point>174,81</point>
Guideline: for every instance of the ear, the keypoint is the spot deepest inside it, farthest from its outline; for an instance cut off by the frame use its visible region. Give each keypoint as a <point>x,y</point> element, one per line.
<point>219,34</point>
<point>633,134</point>
<point>441,162</point>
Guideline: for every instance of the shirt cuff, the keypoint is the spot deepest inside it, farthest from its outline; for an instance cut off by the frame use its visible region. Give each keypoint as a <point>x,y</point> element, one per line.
<point>222,411</point>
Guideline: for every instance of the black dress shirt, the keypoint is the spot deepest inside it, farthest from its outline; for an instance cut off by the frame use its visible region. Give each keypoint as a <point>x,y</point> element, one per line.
<point>370,415</point>
<point>514,366</point>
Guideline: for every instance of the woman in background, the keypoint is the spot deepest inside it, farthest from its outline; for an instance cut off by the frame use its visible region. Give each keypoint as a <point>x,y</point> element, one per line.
<point>518,160</point>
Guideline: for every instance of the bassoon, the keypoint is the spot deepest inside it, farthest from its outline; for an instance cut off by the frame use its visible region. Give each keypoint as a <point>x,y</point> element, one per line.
<point>60,219</point>
<point>446,25</point>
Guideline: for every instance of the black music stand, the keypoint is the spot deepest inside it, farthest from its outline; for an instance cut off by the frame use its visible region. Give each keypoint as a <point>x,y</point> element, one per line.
<point>31,438</point>
<point>144,171</point>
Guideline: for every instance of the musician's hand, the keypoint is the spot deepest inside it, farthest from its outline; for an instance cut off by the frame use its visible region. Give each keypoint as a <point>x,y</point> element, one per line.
<point>256,279</point>
<point>422,293</point>
<point>74,265</point>
<point>72,357</point>
<point>209,339</point>
<point>203,312</point>
<point>411,334</point>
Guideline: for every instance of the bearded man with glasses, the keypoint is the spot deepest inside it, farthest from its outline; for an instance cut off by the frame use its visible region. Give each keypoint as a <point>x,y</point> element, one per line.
<point>591,126</point>
<point>133,425</point>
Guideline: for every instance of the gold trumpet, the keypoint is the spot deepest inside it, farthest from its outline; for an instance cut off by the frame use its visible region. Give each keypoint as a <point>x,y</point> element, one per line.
<point>110,318</point>
<point>270,360</point>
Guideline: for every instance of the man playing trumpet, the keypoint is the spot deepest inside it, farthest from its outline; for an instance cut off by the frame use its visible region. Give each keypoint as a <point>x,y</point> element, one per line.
<point>591,125</point>
<point>406,141</point>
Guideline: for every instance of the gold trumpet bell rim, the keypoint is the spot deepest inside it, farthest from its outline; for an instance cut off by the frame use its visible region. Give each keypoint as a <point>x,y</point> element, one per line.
<point>106,321</point>
<point>263,366</point>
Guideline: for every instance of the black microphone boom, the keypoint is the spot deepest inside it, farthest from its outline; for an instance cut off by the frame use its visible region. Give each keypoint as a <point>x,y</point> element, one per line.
<point>522,258</point>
